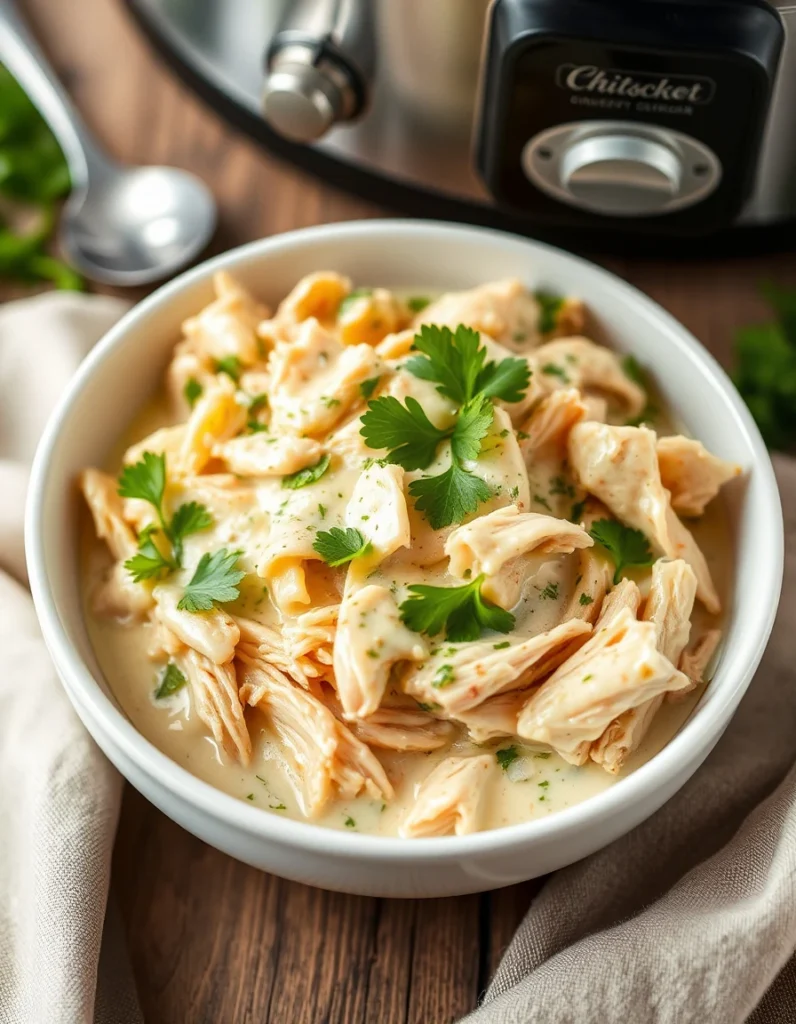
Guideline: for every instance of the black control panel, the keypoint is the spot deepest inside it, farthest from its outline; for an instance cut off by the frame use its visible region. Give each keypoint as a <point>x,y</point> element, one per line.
<point>703,70</point>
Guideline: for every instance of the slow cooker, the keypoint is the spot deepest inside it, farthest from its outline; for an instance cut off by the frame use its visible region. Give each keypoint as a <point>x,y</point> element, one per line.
<point>616,125</point>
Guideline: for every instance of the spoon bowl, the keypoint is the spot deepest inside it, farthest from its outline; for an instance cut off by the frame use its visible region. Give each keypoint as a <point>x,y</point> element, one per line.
<point>133,226</point>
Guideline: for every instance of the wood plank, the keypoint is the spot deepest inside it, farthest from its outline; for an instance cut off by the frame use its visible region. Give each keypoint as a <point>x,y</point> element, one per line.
<point>444,982</point>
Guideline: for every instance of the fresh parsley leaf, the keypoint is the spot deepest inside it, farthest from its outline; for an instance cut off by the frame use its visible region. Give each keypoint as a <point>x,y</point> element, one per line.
<point>145,480</point>
<point>508,379</point>
<point>338,546</point>
<point>472,426</point>
<point>449,497</point>
<point>549,308</point>
<point>576,515</point>
<point>230,365</point>
<point>765,375</point>
<point>456,362</point>
<point>405,429</point>
<point>171,681</point>
<point>149,563</point>
<point>350,299</point>
<point>506,756</point>
<point>215,580</point>
<point>189,518</point>
<point>308,475</point>
<point>417,303</point>
<point>461,611</point>
<point>367,387</point>
<point>193,391</point>
<point>627,547</point>
<point>444,676</point>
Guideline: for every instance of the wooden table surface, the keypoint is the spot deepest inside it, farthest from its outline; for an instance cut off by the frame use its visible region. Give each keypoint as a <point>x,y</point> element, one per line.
<point>213,941</point>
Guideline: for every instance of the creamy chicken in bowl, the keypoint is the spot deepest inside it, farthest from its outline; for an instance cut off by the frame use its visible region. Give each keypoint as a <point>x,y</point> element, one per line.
<point>406,564</point>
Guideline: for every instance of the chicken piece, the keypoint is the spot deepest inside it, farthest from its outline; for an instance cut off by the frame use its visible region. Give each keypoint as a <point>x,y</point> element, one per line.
<point>370,316</point>
<point>591,585</point>
<point>118,595</point>
<point>403,729</point>
<point>326,759</point>
<point>491,542</point>
<point>398,345</point>
<point>263,455</point>
<point>315,380</point>
<point>575,705</point>
<point>696,659</point>
<point>347,442</point>
<point>668,608</point>
<point>504,310</point>
<point>227,326</point>
<point>370,639</point>
<point>309,641</point>
<point>216,417</point>
<point>261,645</point>
<point>551,421</point>
<point>213,634</point>
<point>225,496</point>
<point>495,718</point>
<point>474,672</point>
<point>188,365</point>
<point>579,363</point>
<point>100,491</point>
<point>377,508</point>
<point>502,466</point>
<point>691,474</point>
<point>620,466</point>
<point>450,799</point>
<point>316,296</point>
<point>166,441</point>
<point>214,688</point>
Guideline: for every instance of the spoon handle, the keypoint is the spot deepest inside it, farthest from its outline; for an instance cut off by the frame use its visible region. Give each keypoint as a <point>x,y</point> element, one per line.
<point>20,53</point>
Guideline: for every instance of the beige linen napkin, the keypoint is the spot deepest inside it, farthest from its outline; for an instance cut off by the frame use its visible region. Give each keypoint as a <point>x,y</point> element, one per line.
<point>59,797</point>
<point>690,918</point>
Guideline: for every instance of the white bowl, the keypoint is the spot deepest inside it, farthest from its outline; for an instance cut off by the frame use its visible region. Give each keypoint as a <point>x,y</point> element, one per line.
<point>125,369</point>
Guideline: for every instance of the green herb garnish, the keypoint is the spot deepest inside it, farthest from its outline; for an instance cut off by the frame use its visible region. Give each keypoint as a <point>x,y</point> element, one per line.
<point>627,547</point>
<point>230,365</point>
<point>367,387</point>
<point>338,546</point>
<point>193,391</point>
<point>350,299</point>
<point>507,756</point>
<point>215,581</point>
<point>549,308</point>
<point>171,681</point>
<point>461,611</point>
<point>417,303</point>
<point>308,475</point>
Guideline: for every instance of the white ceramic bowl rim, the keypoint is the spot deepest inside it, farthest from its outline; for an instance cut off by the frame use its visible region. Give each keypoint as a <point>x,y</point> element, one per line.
<point>84,689</point>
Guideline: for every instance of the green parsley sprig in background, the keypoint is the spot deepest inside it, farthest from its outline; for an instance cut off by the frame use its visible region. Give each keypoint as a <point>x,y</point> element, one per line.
<point>765,369</point>
<point>33,176</point>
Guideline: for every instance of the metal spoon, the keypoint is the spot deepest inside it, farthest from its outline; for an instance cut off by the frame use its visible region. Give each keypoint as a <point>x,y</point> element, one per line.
<point>120,225</point>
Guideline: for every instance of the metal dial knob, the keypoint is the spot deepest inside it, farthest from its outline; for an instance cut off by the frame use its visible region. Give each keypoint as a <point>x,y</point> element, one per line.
<point>621,174</point>
<point>621,168</point>
<point>301,102</point>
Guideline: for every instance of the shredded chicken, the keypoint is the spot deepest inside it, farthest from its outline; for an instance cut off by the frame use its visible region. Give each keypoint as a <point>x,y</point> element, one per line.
<point>377,508</point>
<point>450,799</point>
<point>579,363</point>
<point>504,310</point>
<point>462,679</point>
<point>622,669</point>
<point>551,421</point>
<point>217,416</point>
<point>213,634</point>
<point>591,585</point>
<point>215,690</point>
<point>620,466</point>
<point>487,544</point>
<point>696,659</point>
<point>370,639</point>
<point>691,474</point>
<point>668,608</point>
<point>262,455</point>
<point>368,318</point>
<point>315,380</point>
<point>326,759</point>
<point>403,729</point>
<point>227,326</point>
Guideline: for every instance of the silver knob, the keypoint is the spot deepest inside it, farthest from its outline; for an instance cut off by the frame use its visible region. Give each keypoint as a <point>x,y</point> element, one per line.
<point>301,102</point>
<point>622,174</point>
